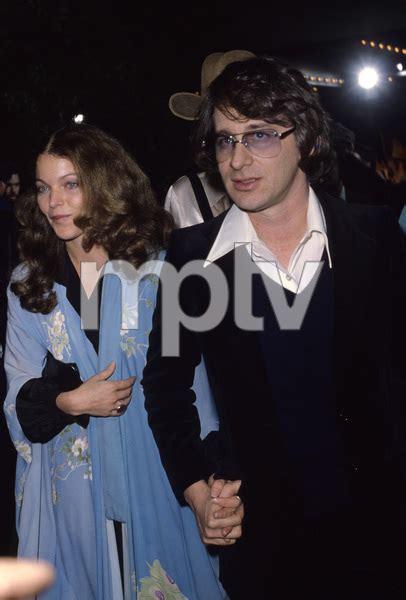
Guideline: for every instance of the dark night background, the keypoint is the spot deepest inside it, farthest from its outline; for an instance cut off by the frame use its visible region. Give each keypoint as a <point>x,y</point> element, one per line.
<point>118,64</point>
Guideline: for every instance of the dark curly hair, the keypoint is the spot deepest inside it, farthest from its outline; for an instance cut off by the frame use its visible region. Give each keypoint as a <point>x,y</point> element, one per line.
<point>121,213</point>
<point>266,88</point>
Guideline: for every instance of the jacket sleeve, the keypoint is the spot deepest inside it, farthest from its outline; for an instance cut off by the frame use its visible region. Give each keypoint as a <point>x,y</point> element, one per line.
<point>171,402</point>
<point>394,247</point>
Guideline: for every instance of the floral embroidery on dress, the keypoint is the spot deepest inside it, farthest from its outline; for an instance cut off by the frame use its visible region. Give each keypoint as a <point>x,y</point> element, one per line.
<point>129,316</point>
<point>159,586</point>
<point>58,335</point>
<point>75,452</point>
<point>133,580</point>
<point>9,408</point>
<point>130,345</point>
<point>130,327</point>
<point>24,450</point>
<point>19,489</point>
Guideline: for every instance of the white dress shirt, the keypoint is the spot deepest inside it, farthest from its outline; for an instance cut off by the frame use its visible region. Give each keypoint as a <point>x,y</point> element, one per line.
<point>237,229</point>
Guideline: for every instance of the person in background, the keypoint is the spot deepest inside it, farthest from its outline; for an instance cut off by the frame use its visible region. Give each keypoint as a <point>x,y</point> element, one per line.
<point>196,197</point>
<point>13,186</point>
<point>92,496</point>
<point>5,174</point>
<point>306,359</point>
<point>359,181</point>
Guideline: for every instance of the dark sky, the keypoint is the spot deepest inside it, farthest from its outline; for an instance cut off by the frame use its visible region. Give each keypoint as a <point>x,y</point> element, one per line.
<point>64,56</point>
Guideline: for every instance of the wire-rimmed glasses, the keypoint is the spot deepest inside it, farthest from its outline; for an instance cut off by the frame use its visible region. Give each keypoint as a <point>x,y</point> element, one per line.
<point>265,143</point>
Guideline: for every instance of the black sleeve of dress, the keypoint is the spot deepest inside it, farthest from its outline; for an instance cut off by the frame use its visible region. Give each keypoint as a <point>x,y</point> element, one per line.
<point>39,416</point>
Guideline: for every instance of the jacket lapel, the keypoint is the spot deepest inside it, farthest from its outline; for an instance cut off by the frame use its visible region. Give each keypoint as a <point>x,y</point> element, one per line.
<point>352,254</point>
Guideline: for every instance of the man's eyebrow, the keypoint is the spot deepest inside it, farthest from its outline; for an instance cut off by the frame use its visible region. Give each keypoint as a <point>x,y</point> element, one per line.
<point>248,130</point>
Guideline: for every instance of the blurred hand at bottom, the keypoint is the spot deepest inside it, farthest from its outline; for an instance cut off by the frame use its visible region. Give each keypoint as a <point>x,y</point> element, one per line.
<point>22,578</point>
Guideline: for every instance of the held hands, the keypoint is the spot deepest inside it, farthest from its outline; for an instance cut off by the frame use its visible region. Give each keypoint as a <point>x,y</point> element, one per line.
<point>98,396</point>
<point>218,509</point>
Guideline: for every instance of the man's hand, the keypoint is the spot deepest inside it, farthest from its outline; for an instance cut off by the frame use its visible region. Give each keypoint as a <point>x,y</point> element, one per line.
<point>226,494</point>
<point>216,527</point>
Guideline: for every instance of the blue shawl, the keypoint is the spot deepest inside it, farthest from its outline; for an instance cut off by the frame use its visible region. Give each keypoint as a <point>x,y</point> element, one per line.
<point>68,487</point>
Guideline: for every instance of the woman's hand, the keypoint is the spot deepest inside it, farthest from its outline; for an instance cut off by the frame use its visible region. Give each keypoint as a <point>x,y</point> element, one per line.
<point>97,396</point>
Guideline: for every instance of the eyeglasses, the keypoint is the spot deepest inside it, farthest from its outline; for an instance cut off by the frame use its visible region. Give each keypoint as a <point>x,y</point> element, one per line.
<point>265,143</point>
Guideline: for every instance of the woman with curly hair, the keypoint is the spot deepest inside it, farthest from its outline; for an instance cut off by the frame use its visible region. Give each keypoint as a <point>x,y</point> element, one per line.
<point>92,497</point>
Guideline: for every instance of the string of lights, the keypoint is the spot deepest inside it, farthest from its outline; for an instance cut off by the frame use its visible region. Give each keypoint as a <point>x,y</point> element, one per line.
<point>318,80</point>
<point>382,46</point>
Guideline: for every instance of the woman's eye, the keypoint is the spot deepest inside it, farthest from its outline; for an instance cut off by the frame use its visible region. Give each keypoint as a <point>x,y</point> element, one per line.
<point>72,185</point>
<point>41,189</point>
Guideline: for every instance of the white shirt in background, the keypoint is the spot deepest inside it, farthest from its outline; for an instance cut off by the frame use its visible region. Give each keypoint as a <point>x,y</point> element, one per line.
<point>181,202</point>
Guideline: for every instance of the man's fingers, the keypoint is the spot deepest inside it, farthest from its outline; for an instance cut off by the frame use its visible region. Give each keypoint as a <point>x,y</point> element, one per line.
<point>228,502</point>
<point>224,513</point>
<point>219,541</point>
<point>235,518</point>
<point>216,487</point>
<point>222,537</point>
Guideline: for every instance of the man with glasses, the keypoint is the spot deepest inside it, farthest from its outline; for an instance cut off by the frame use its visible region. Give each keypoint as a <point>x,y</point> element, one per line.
<point>305,479</point>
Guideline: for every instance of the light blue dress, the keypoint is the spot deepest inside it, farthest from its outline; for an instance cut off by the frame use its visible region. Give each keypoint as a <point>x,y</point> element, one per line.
<point>68,488</point>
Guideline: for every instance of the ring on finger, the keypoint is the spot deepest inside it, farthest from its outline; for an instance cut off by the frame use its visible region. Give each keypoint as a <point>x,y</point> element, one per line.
<point>120,408</point>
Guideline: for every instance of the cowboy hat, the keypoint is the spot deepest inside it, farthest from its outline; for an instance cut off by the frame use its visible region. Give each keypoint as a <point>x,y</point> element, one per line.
<point>185,104</point>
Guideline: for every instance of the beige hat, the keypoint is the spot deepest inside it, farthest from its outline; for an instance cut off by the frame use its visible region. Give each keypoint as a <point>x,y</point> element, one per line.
<point>185,104</point>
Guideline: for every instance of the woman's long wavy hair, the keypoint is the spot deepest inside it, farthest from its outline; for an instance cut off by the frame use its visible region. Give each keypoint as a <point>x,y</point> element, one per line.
<point>266,88</point>
<point>121,213</point>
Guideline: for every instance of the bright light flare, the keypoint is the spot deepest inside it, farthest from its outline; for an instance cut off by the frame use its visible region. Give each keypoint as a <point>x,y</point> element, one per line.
<point>368,78</point>
<point>79,118</point>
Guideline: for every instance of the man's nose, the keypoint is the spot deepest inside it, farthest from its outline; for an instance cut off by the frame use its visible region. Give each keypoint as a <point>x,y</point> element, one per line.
<point>240,155</point>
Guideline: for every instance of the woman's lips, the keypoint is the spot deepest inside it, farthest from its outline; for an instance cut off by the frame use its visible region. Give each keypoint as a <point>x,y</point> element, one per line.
<point>59,218</point>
